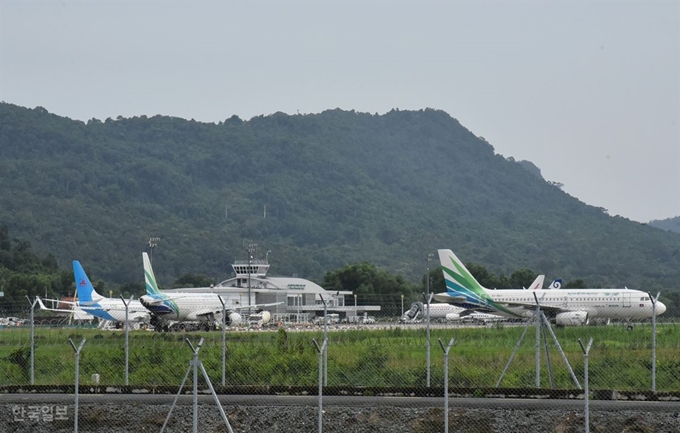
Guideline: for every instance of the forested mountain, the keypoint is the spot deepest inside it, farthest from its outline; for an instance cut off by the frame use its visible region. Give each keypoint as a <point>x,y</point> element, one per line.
<point>319,191</point>
<point>670,224</point>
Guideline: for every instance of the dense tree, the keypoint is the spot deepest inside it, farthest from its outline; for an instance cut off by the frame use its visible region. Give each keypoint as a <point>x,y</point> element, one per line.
<point>320,191</point>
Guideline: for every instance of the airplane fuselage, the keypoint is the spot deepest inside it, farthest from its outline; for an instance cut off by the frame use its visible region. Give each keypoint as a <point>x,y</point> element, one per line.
<point>190,307</point>
<point>114,310</point>
<point>597,303</point>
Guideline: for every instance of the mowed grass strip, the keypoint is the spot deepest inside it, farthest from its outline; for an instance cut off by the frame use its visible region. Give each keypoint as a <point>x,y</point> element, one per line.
<point>619,359</point>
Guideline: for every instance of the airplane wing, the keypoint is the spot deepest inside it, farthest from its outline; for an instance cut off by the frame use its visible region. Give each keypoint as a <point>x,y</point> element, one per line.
<point>76,303</point>
<point>548,310</point>
<point>445,297</point>
<point>59,310</point>
<point>75,310</point>
<point>207,313</point>
<point>89,306</point>
<point>254,306</point>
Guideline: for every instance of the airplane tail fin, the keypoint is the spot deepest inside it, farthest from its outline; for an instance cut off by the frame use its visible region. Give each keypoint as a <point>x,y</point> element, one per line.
<point>85,289</point>
<point>538,283</point>
<point>149,277</point>
<point>458,278</point>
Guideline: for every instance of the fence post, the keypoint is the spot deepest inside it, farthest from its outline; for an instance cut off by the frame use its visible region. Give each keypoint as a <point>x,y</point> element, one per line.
<point>428,299</point>
<point>127,336</point>
<point>321,351</point>
<point>77,385</point>
<point>32,338</point>
<point>654,301</point>
<point>585,379</point>
<point>224,340</point>
<point>446,383</point>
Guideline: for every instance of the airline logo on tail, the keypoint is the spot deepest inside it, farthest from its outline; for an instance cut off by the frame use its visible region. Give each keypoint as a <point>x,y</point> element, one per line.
<point>557,284</point>
<point>461,283</point>
<point>86,292</point>
<point>161,303</point>
<point>149,277</point>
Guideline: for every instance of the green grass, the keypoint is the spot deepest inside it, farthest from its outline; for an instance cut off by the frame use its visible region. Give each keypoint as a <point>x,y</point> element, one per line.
<point>619,359</point>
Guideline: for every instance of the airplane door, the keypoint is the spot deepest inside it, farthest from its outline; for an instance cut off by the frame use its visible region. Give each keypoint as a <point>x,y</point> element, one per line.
<point>626,299</point>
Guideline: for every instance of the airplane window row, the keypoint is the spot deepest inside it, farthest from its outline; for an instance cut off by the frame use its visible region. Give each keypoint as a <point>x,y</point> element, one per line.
<point>564,299</point>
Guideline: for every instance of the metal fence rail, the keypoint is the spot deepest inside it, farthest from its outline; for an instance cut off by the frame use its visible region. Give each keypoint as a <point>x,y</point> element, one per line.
<point>378,359</point>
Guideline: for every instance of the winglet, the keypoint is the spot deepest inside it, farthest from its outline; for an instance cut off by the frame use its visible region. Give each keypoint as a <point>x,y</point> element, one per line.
<point>149,277</point>
<point>84,287</point>
<point>40,302</point>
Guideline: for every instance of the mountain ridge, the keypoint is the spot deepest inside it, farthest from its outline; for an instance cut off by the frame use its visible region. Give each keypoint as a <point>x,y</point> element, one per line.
<point>318,190</point>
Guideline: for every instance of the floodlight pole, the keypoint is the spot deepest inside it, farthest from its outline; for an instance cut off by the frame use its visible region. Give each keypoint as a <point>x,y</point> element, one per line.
<point>153,242</point>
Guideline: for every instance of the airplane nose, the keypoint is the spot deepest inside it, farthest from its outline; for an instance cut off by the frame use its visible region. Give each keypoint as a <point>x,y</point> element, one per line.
<point>660,308</point>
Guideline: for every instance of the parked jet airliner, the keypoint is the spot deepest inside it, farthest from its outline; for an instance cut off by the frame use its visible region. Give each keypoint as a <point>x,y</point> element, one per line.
<point>97,305</point>
<point>565,306</point>
<point>452,313</point>
<point>173,307</point>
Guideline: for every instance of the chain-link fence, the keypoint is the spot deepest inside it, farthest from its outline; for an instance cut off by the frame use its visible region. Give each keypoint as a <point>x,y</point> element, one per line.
<point>499,359</point>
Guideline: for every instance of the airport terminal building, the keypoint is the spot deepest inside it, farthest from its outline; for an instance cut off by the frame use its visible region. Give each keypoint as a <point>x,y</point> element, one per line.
<point>297,300</point>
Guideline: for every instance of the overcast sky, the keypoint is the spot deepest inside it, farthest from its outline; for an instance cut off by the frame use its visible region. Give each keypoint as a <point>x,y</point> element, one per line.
<point>587,90</point>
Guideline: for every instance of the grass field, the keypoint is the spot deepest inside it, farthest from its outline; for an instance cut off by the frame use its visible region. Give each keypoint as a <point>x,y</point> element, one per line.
<point>619,359</point>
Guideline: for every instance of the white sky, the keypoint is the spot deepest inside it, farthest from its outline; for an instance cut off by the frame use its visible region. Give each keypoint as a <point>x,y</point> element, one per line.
<point>587,90</point>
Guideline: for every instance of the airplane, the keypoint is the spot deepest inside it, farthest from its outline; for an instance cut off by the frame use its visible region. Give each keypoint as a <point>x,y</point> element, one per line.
<point>450,312</point>
<point>566,307</point>
<point>91,302</point>
<point>170,308</point>
<point>444,311</point>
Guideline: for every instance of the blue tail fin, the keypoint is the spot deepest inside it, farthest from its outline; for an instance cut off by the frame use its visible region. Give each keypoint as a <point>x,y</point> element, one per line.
<point>86,292</point>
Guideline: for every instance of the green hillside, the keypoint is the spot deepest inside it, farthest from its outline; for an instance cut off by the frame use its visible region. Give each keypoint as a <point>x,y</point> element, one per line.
<point>318,191</point>
<point>670,224</point>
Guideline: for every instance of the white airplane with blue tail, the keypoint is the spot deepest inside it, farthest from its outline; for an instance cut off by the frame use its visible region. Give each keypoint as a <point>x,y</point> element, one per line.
<point>91,302</point>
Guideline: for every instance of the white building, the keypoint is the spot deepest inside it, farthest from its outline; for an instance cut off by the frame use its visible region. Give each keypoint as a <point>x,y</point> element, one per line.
<point>298,299</point>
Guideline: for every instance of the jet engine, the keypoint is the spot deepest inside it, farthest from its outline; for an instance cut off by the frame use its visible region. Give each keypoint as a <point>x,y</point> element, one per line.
<point>233,318</point>
<point>452,316</point>
<point>572,318</point>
